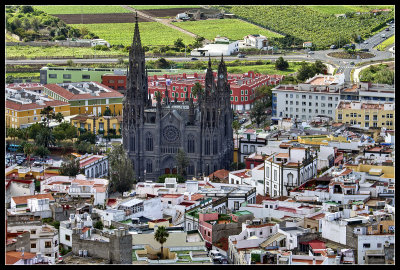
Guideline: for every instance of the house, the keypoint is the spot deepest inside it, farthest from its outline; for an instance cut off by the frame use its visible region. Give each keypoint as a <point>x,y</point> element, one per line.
<point>38,204</point>
<point>19,187</point>
<point>21,257</point>
<point>81,221</point>
<point>106,125</point>
<point>43,239</point>
<point>94,166</point>
<point>99,41</point>
<point>220,176</point>
<point>217,49</point>
<point>254,41</point>
<point>307,44</point>
<point>95,189</point>
<point>248,145</point>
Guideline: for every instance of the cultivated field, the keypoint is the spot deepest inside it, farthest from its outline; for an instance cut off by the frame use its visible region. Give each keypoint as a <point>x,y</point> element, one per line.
<point>234,29</point>
<point>144,7</point>
<point>151,33</point>
<point>82,9</point>
<point>163,13</point>
<point>309,24</point>
<point>344,9</point>
<point>101,18</point>
<point>265,69</point>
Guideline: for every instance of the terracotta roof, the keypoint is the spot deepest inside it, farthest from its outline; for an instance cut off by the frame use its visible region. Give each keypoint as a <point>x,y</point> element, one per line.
<point>221,174</point>
<point>317,244</point>
<point>14,256</point>
<point>85,229</point>
<point>260,198</point>
<point>346,172</point>
<point>319,216</point>
<point>286,209</point>
<point>88,161</point>
<point>159,220</point>
<point>280,155</point>
<point>171,195</point>
<point>59,90</point>
<point>194,197</point>
<point>24,199</point>
<point>70,96</point>
<point>22,107</point>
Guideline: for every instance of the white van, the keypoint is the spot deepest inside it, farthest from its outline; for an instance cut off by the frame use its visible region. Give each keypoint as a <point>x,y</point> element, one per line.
<point>215,254</point>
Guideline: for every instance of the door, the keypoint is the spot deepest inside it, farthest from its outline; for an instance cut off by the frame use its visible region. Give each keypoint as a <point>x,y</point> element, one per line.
<point>167,171</point>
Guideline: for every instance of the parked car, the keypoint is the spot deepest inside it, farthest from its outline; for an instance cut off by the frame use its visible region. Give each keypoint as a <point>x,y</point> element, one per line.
<point>243,120</point>
<point>365,42</point>
<point>311,52</point>
<point>364,50</point>
<point>387,29</point>
<point>383,35</point>
<point>333,47</point>
<point>194,58</point>
<point>241,55</point>
<point>214,254</point>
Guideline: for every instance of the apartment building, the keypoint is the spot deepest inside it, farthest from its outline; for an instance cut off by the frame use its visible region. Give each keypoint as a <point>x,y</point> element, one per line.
<point>23,107</point>
<point>368,91</point>
<point>318,96</point>
<point>86,97</point>
<point>368,114</point>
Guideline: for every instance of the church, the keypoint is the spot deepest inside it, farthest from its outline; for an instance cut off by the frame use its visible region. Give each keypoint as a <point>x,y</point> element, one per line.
<point>152,135</point>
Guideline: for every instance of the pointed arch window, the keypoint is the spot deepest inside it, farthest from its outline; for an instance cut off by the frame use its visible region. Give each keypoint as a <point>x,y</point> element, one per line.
<point>290,179</point>
<point>190,144</point>
<point>149,166</point>
<point>132,143</point>
<point>149,142</point>
<point>207,146</point>
<point>215,146</point>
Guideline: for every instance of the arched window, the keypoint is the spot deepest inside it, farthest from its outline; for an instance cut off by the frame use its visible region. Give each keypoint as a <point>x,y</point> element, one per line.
<point>100,170</point>
<point>104,167</point>
<point>190,169</point>
<point>97,170</point>
<point>190,144</point>
<point>92,174</point>
<point>132,143</point>
<point>149,166</point>
<point>215,146</point>
<point>207,146</point>
<point>290,179</point>
<point>149,142</point>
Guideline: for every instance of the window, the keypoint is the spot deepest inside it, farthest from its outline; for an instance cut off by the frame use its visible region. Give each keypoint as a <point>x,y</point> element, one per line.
<point>297,96</point>
<point>236,98</point>
<point>231,98</point>
<point>275,175</point>
<point>241,98</point>
<point>303,96</point>
<point>375,118</point>
<point>310,97</point>
<point>66,76</point>
<point>120,81</point>
<point>85,76</point>
<point>252,233</point>
<point>329,98</point>
<point>149,142</point>
<point>182,95</point>
<point>291,103</point>
<point>236,205</point>
<point>110,81</point>
<point>246,92</point>
<point>309,104</point>
<point>366,124</point>
<point>267,172</point>
<point>379,245</point>
<point>33,231</point>
<point>291,95</point>
<point>322,98</point>
<point>67,237</point>
<point>207,147</point>
<point>33,245</point>
<point>173,88</point>
<point>149,166</point>
<point>366,117</point>
<point>287,102</point>
<point>245,149</point>
<point>53,76</point>
<point>366,245</point>
<point>329,111</point>
<point>101,126</point>
<point>173,94</point>
<point>336,98</point>
<point>215,147</point>
<point>245,98</point>
<point>316,97</point>
<point>47,244</point>
<point>340,116</point>
<point>297,103</point>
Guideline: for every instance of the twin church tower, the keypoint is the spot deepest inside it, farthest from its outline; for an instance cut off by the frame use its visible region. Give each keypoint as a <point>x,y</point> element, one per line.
<point>152,135</point>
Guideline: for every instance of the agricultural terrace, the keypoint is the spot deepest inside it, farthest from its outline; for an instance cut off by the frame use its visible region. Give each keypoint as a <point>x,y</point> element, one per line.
<point>312,25</point>
<point>144,7</point>
<point>344,9</point>
<point>233,29</point>
<point>82,9</point>
<point>151,33</point>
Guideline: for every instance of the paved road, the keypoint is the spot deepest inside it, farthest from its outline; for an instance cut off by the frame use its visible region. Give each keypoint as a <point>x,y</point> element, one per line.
<point>376,39</point>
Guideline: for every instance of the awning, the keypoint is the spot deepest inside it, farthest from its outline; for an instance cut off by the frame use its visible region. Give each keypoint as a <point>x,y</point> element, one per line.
<point>276,237</point>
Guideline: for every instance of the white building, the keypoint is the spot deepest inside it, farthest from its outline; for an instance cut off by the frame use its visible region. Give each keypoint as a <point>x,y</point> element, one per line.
<point>217,49</point>
<point>80,186</point>
<point>99,41</point>
<point>372,242</point>
<point>80,221</point>
<point>38,204</point>
<point>284,171</point>
<point>94,165</point>
<point>254,41</point>
<point>43,239</point>
<point>17,187</point>
<point>326,156</point>
<point>150,208</point>
<point>317,96</point>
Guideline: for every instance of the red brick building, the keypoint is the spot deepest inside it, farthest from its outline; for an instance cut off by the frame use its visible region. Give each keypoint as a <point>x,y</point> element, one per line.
<point>242,85</point>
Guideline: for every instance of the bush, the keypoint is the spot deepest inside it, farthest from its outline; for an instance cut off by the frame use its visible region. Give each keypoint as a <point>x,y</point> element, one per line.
<point>99,225</point>
<point>100,48</point>
<point>60,37</point>
<point>179,179</point>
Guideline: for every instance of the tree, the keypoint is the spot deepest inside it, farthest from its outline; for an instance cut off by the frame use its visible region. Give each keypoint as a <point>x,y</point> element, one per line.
<point>12,133</point>
<point>99,225</point>
<point>82,147</point>
<point>384,76</point>
<point>121,172</point>
<point>236,127</point>
<point>107,112</point>
<point>27,9</point>
<point>197,89</point>
<point>29,149</point>
<point>179,43</point>
<point>264,94</point>
<point>258,112</point>
<point>161,236</point>
<point>182,161</point>
<point>281,64</point>
<point>305,71</point>
<point>87,137</point>
<point>161,63</point>
<point>71,167</point>
<point>45,137</point>
<point>41,151</point>
<point>319,67</point>
<point>23,134</point>
<point>48,113</point>
<point>34,130</point>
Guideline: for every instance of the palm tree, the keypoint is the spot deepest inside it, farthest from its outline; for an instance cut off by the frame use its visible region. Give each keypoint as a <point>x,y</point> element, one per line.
<point>28,151</point>
<point>48,113</point>
<point>161,236</point>
<point>59,117</point>
<point>236,127</point>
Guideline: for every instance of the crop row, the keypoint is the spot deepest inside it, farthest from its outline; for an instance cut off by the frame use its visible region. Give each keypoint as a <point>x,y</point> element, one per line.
<point>82,9</point>
<point>344,9</point>
<point>148,7</point>
<point>309,24</point>
<point>233,29</point>
<point>151,33</point>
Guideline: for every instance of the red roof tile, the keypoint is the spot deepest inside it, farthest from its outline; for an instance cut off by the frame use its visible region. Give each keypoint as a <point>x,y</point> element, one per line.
<point>24,199</point>
<point>22,107</point>
<point>14,256</point>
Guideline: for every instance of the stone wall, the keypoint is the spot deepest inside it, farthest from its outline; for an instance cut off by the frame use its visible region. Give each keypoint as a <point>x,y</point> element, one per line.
<point>225,230</point>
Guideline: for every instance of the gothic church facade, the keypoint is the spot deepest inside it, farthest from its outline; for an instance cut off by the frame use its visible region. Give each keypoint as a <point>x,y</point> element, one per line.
<point>152,135</point>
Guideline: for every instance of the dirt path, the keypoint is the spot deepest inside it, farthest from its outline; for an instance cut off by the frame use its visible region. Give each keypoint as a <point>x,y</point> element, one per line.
<point>166,22</point>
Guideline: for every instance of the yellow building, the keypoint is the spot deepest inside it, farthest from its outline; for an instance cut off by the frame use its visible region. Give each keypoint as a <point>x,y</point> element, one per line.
<point>320,139</point>
<point>86,97</point>
<point>98,122</point>
<point>366,114</point>
<point>22,115</point>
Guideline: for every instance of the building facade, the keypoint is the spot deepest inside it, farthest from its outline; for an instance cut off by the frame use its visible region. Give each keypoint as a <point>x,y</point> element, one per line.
<point>106,125</point>
<point>152,136</point>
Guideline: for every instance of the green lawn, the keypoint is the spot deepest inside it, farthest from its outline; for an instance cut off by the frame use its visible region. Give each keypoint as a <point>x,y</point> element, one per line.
<point>343,9</point>
<point>386,43</point>
<point>233,29</point>
<point>265,69</point>
<point>70,9</point>
<point>147,7</point>
<point>30,51</point>
<point>151,33</point>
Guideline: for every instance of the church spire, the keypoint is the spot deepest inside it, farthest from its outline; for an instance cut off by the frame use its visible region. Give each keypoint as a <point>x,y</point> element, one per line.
<point>136,43</point>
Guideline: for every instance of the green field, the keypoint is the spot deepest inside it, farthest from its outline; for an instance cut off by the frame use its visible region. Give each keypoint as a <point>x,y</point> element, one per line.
<point>151,33</point>
<point>386,43</point>
<point>343,9</point>
<point>23,74</point>
<point>265,69</point>
<point>147,7</point>
<point>30,51</point>
<point>308,24</point>
<point>233,29</point>
<point>69,9</point>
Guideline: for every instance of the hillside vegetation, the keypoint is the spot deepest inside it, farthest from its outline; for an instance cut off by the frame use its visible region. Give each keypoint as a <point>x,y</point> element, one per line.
<point>308,24</point>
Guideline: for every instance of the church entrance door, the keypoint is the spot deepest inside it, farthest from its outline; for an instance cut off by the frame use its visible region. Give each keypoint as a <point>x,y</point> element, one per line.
<point>174,171</point>
<point>167,171</point>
